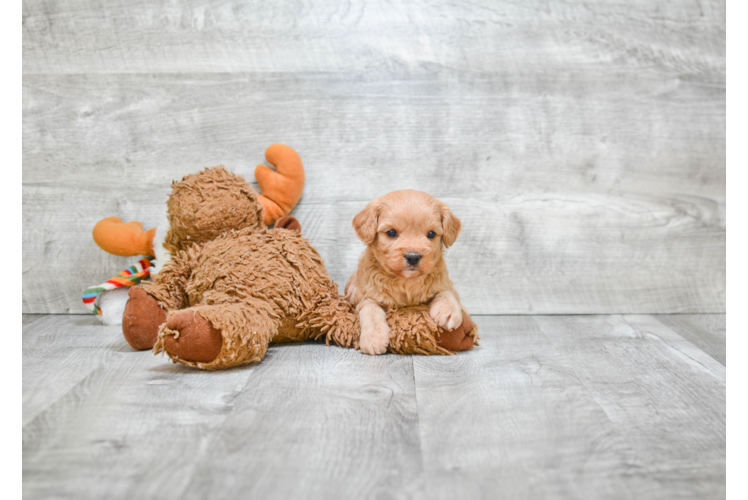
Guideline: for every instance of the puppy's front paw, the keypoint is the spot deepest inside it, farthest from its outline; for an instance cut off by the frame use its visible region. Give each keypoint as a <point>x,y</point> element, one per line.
<point>446,313</point>
<point>375,338</point>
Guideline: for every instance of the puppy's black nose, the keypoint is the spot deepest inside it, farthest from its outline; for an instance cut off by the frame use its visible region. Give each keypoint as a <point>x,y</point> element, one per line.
<point>413,258</point>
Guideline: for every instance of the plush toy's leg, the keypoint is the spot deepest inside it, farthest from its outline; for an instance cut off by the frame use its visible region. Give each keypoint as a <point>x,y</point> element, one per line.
<point>146,308</point>
<point>218,336</point>
<point>414,331</point>
<point>169,285</point>
<point>458,339</point>
<point>141,319</point>
<point>335,319</point>
<point>197,340</point>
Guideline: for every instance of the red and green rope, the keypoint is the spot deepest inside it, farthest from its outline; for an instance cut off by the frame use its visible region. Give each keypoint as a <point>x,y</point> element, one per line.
<point>129,277</point>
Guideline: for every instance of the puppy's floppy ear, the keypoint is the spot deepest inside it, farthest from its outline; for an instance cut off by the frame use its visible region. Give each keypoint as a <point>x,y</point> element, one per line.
<point>365,223</point>
<point>451,226</point>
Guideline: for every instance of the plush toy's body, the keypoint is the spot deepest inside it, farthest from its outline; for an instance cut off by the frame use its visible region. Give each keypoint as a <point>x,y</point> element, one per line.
<point>255,287</point>
<point>232,286</point>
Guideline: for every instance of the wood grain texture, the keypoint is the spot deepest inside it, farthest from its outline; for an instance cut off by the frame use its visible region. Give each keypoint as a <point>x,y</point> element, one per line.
<point>666,395</point>
<point>27,319</point>
<point>544,391</point>
<point>576,197</point>
<point>589,407</point>
<point>706,331</point>
<point>132,428</point>
<point>48,375</point>
<point>84,36</point>
<point>517,401</point>
<point>477,136</point>
<point>316,422</point>
<point>732,197</point>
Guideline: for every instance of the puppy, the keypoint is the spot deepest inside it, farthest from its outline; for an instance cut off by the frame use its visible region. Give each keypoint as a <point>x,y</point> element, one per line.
<point>406,232</point>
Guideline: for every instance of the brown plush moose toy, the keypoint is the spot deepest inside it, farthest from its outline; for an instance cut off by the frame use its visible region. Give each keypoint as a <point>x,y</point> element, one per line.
<point>232,286</point>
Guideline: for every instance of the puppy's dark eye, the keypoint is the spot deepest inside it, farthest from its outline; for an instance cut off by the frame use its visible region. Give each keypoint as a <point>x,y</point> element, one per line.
<point>431,235</point>
<point>391,233</point>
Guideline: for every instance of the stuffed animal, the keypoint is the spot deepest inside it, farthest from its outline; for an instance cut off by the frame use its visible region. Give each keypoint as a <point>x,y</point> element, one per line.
<point>281,189</point>
<point>232,285</point>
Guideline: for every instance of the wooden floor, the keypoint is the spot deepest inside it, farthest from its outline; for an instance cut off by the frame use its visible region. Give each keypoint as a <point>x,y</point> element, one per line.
<point>609,406</point>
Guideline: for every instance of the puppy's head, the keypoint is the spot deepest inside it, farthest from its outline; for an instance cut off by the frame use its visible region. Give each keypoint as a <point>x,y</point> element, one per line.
<point>406,231</point>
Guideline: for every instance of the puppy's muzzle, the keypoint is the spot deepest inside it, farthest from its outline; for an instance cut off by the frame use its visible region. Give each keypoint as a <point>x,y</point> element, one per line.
<point>412,258</point>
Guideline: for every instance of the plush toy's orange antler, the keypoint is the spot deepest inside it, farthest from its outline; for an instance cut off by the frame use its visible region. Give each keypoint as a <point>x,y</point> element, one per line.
<point>282,187</point>
<point>123,239</point>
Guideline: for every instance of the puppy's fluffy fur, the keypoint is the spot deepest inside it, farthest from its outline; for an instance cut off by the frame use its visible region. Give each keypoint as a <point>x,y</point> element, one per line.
<point>406,232</point>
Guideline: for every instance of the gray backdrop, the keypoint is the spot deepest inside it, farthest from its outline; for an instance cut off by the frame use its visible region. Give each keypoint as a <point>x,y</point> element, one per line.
<point>581,143</point>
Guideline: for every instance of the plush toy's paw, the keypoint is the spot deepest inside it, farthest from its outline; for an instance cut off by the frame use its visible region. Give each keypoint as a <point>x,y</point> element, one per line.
<point>446,312</point>
<point>197,341</point>
<point>375,336</point>
<point>458,339</point>
<point>142,317</point>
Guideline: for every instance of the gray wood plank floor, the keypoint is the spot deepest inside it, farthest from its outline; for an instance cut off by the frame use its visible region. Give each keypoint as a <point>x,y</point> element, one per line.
<point>594,407</point>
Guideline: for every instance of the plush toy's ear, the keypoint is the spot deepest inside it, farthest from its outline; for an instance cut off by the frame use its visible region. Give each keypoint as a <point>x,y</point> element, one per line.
<point>365,223</point>
<point>451,226</point>
<point>288,222</point>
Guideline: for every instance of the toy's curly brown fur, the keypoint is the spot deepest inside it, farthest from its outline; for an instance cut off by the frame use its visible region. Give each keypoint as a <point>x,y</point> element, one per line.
<point>205,205</point>
<point>248,285</point>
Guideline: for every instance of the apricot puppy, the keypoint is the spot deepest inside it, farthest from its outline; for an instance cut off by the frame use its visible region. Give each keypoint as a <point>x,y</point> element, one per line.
<point>406,232</point>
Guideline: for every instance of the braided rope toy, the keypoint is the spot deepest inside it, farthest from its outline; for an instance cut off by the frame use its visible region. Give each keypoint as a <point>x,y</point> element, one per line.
<point>127,278</point>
